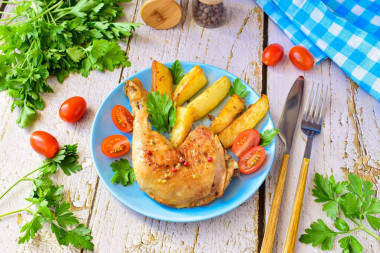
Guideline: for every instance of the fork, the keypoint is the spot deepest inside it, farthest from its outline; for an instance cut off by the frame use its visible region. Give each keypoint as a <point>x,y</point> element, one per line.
<point>311,125</point>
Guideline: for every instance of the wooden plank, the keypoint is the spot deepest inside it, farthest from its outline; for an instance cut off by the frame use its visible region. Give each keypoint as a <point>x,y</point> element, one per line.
<point>349,141</point>
<point>17,157</point>
<point>236,47</point>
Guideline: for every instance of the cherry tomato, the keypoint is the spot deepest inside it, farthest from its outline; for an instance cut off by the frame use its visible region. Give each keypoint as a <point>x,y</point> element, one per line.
<point>273,54</point>
<point>115,145</point>
<point>245,140</point>
<point>44,144</point>
<point>73,109</point>
<point>301,58</point>
<point>122,118</point>
<point>251,160</point>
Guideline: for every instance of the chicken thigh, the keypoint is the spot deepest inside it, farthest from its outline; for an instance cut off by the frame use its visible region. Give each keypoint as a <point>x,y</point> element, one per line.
<point>194,174</point>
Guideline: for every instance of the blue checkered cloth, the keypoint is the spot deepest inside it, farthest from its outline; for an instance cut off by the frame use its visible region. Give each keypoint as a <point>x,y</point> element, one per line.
<point>349,34</point>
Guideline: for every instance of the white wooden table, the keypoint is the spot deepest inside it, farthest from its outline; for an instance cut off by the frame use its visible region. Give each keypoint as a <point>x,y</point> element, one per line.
<point>350,142</point>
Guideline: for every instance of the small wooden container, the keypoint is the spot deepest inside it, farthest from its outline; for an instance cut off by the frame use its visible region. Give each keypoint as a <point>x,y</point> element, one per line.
<point>161,14</point>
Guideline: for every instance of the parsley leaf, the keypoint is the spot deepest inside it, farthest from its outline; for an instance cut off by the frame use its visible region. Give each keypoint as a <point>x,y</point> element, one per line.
<point>63,216</point>
<point>124,173</point>
<point>238,88</point>
<point>79,236</point>
<point>319,233</point>
<point>350,244</point>
<point>373,221</point>
<point>341,225</point>
<point>177,72</point>
<point>30,229</point>
<point>267,136</point>
<point>162,111</point>
<point>359,187</point>
<point>357,201</point>
<point>69,164</point>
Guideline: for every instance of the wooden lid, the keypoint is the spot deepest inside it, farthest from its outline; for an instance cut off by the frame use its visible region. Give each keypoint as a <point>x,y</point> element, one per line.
<point>161,14</point>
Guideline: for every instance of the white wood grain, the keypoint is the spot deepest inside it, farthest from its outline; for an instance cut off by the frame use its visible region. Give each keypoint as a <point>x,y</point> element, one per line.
<point>349,141</point>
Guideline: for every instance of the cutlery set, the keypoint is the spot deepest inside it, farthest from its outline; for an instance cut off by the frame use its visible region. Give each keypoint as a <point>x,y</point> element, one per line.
<point>311,125</point>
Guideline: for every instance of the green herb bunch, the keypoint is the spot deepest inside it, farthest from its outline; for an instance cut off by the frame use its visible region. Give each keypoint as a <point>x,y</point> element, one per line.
<point>356,200</point>
<point>47,205</point>
<point>51,37</point>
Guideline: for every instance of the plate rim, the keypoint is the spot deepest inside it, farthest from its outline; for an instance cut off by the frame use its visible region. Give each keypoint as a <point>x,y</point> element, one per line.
<point>215,214</point>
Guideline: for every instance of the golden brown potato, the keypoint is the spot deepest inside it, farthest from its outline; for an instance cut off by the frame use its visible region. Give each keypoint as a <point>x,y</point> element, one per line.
<point>247,120</point>
<point>190,84</point>
<point>210,98</point>
<point>228,113</point>
<point>162,80</point>
<point>182,127</point>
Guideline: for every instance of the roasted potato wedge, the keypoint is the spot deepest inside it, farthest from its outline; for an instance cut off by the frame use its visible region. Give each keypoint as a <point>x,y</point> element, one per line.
<point>228,113</point>
<point>190,84</point>
<point>210,98</point>
<point>183,123</point>
<point>247,120</point>
<point>162,80</point>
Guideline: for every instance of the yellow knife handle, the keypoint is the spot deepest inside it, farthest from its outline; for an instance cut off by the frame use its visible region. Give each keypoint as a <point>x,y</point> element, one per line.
<point>291,236</point>
<point>270,231</point>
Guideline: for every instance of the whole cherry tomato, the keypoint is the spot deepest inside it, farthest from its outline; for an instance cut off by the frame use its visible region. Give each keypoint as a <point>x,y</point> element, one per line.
<point>122,118</point>
<point>273,54</point>
<point>115,145</point>
<point>73,109</point>
<point>44,144</point>
<point>251,160</point>
<point>301,58</point>
<point>245,140</point>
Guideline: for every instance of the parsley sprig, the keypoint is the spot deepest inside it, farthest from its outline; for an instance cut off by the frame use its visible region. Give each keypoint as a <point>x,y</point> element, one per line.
<point>356,200</point>
<point>177,72</point>
<point>238,88</point>
<point>124,173</point>
<point>162,111</point>
<point>51,37</point>
<point>267,136</point>
<point>47,197</point>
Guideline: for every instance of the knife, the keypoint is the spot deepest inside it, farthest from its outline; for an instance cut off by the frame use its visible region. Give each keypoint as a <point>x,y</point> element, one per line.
<point>287,126</point>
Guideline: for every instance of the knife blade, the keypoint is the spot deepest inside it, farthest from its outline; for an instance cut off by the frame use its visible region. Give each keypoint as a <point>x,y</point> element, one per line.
<point>287,126</point>
<point>289,114</point>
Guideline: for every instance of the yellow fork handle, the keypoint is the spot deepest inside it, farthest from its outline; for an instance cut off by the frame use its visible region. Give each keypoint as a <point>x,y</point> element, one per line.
<point>291,236</point>
<point>270,231</point>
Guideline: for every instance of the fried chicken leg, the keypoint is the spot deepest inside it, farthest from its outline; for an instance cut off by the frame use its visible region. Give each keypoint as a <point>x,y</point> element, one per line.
<point>194,174</point>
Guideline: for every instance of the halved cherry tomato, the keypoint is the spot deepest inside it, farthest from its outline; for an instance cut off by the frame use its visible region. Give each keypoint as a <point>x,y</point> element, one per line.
<point>245,140</point>
<point>73,109</point>
<point>122,118</point>
<point>115,145</point>
<point>251,160</point>
<point>272,54</point>
<point>301,58</point>
<point>44,144</point>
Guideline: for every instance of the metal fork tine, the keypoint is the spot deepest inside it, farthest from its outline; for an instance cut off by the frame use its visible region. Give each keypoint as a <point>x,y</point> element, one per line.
<point>311,108</point>
<point>317,106</point>
<point>306,108</point>
<point>323,108</point>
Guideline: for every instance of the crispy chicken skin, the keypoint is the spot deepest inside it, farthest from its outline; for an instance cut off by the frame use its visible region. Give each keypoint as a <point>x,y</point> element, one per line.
<point>159,167</point>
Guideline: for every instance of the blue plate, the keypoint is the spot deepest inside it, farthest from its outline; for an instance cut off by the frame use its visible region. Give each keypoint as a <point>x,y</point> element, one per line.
<point>239,190</point>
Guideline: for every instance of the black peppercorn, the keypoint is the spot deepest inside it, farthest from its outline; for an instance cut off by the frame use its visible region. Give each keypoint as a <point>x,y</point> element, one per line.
<point>209,13</point>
